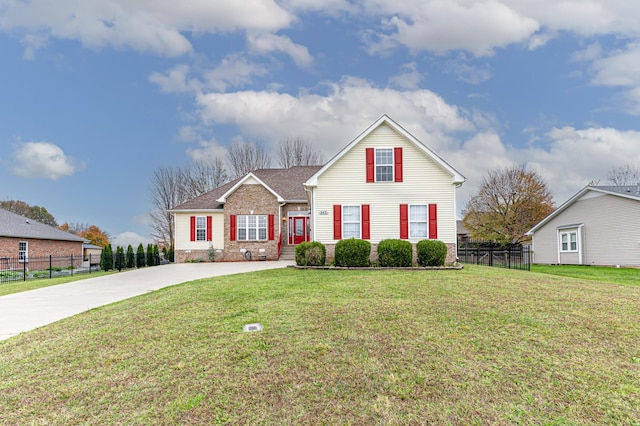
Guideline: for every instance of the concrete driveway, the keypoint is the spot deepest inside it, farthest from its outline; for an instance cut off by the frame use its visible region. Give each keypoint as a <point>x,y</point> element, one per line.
<point>28,310</point>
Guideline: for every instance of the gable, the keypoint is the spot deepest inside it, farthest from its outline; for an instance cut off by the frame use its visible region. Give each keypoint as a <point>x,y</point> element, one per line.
<point>385,133</point>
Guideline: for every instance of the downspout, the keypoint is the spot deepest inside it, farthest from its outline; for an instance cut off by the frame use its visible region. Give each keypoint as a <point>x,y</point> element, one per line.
<point>280,227</point>
<point>580,243</point>
<point>311,209</point>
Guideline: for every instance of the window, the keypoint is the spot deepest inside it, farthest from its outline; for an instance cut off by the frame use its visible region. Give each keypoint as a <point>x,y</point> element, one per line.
<point>201,228</point>
<point>23,251</point>
<point>252,227</point>
<point>418,225</point>
<point>569,241</point>
<point>350,222</point>
<point>384,164</point>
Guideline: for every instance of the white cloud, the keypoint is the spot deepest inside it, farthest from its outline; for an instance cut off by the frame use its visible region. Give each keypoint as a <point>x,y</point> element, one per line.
<point>235,71</point>
<point>147,26</point>
<point>332,120</point>
<point>175,80</point>
<point>266,43</point>
<point>43,160</point>
<point>408,78</point>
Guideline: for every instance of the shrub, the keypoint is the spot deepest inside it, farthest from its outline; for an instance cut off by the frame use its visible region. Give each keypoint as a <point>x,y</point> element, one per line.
<point>431,253</point>
<point>395,253</point>
<point>151,261</point>
<point>140,257</point>
<point>119,259</point>
<point>131,257</point>
<point>311,254</point>
<point>106,258</point>
<point>353,253</point>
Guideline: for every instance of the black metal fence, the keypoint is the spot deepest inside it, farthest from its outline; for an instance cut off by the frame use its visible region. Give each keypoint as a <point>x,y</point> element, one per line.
<point>34,268</point>
<point>490,253</point>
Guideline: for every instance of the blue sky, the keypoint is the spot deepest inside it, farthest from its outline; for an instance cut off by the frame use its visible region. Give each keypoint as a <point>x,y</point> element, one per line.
<point>95,95</point>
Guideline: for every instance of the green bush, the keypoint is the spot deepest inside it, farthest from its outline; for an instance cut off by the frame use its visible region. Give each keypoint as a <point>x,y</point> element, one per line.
<point>431,253</point>
<point>395,253</point>
<point>353,253</point>
<point>311,254</point>
<point>131,257</point>
<point>141,260</point>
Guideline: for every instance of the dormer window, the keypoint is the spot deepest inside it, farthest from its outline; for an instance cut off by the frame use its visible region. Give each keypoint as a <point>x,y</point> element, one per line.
<point>384,165</point>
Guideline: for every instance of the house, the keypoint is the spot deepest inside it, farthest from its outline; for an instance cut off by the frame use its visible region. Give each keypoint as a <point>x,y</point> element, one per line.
<point>384,184</point>
<point>23,238</point>
<point>597,226</point>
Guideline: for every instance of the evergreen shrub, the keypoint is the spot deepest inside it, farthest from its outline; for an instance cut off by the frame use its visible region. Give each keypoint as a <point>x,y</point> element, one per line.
<point>395,253</point>
<point>311,254</point>
<point>353,253</point>
<point>431,253</point>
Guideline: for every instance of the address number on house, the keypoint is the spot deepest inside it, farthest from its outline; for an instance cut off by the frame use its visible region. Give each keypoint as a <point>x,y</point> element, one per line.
<point>323,213</point>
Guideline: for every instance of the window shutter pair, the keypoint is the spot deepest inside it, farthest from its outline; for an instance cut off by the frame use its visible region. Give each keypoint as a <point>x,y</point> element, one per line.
<point>365,221</point>
<point>209,228</point>
<point>433,221</point>
<point>371,164</point>
<point>233,227</point>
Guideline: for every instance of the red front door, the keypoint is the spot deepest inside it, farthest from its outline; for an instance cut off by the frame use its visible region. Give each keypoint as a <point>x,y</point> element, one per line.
<point>299,230</point>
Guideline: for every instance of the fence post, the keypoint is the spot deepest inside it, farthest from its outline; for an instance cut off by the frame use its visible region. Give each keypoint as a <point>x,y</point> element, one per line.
<point>24,268</point>
<point>50,266</point>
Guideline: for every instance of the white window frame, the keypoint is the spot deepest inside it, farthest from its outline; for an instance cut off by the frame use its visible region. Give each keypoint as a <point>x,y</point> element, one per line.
<point>569,242</point>
<point>350,233</point>
<point>413,230</point>
<point>390,165</point>
<point>23,254</point>
<point>201,228</point>
<point>251,227</point>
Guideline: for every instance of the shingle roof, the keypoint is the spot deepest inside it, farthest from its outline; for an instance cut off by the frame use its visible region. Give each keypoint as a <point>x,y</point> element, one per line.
<point>285,182</point>
<point>16,226</point>
<point>629,190</point>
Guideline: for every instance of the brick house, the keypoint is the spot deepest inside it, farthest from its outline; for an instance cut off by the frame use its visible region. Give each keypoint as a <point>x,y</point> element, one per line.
<point>23,238</point>
<point>384,184</point>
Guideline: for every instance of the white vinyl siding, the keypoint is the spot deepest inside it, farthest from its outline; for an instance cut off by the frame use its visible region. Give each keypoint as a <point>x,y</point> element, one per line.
<point>424,182</point>
<point>183,229</point>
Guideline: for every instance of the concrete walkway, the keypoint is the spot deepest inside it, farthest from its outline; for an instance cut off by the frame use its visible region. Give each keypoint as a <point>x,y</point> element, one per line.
<point>28,310</point>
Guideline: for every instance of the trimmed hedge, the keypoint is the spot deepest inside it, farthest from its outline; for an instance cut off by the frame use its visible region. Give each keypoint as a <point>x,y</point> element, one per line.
<point>311,254</point>
<point>353,253</point>
<point>395,253</point>
<point>431,253</point>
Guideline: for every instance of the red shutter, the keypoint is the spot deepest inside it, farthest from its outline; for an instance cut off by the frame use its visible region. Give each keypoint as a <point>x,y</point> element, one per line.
<point>232,227</point>
<point>404,221</point>
<point>397,162</point>
<point>433,221</point>
<point>371,168</point>
<point>209,228</point>
<point>272,227</point>
<point>337,222</point>
<point>193,228</point>
<point>366,228</point>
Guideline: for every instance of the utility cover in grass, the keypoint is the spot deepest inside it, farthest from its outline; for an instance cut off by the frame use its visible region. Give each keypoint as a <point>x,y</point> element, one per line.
<point>252,327</point>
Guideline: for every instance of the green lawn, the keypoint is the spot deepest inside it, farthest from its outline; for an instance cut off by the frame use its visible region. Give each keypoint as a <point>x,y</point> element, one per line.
<point>18,286</point>
<point>477,346</point>
<point>626,276</point>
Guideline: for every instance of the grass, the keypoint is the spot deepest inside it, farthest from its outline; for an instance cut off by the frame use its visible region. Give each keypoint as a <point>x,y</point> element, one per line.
<point>475,346</point>
<point>11,287</point>
<point>625,276</point>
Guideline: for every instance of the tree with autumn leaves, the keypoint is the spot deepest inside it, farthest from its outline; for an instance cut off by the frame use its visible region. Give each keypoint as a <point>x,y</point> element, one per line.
<point>507,204</point>
<point>91,233</point>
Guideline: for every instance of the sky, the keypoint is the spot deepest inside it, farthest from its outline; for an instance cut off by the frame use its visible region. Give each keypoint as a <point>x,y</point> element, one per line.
<point>97,94</point>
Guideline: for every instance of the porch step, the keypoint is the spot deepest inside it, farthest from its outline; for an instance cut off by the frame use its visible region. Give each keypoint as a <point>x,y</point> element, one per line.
<point>288,253</point>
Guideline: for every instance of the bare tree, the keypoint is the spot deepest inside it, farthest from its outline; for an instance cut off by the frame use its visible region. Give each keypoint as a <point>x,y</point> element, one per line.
<point>172,186</point>
<point>203,176</point>
<point>624,175</point>
<point>507,204</point>
<point>245,157</point>
<point>167,191</point>
<point>297,152</point>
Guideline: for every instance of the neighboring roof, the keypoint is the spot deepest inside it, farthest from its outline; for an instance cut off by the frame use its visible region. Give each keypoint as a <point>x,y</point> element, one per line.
<point>16,226</point>
<point>631,192</point>
<point>460,228</point>
<point>457,178</point>
<point>286,184</point>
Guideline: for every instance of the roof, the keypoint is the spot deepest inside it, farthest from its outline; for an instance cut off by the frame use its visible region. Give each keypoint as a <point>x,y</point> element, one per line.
<point>286,184</point>
<point>457,178</point>
<point>16,226</point>
<point>631,192</point>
